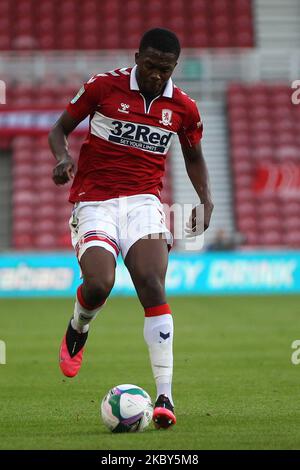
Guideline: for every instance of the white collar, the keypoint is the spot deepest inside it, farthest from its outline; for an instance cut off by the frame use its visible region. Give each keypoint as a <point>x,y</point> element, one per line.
<point>168,91</point>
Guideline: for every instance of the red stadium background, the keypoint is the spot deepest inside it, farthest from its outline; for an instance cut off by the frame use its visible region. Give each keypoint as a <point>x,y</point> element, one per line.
<point>49,48</point>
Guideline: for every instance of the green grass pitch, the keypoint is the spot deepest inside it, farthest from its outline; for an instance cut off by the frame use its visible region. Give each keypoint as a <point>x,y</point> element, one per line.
<point>234,384</point>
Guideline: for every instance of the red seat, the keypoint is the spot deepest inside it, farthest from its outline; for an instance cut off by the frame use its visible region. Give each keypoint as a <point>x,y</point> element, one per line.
<point>247,223</point>
<point>64,241</point>
<point>22,226</point>
<point>90,8</point>
<point>22,241</point>
<point>22,183</point>
<point>290,208</point>
<point>269,222</point>
<point>111,41</point>
<point>246,209</point>
<point>221,38</point>
<point>218,7</point>
<point>268,208</point>
<point>47,41</point>
<point>44,169</point>
<point>200,38</point>
<point>269,141</point>
<point>263,152</point>
<point>23,169</point>
<point>241,6</point>
<point>85,25</point>
<point>243,194</point>
<point>45,241</point>
<point>270,238</point>
<point>292,238</point>
<point>21,209</point>
<point>47,211</point>
<point>132,41</point>
<point>251,237</point>
<point>22,156</point>
<point>243,166</point>
<point>263,139</point>
<point>291,223</point>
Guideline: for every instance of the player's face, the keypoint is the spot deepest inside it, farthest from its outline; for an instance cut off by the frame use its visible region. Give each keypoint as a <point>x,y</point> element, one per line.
<point>154,70</point>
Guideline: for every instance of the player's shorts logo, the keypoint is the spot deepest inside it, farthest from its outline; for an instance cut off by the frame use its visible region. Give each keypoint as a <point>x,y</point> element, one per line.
<point>166,116</point>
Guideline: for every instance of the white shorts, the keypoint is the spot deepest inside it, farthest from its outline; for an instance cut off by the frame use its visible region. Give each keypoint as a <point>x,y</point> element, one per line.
<point>116,224</point>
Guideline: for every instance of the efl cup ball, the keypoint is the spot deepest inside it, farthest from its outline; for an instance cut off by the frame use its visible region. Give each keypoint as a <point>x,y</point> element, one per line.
<point>126,408</point>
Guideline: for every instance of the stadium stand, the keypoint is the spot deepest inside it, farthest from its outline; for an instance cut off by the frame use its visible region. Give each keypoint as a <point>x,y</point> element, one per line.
<point>115,24</point>
<point>221,46</point>
<point>264,142</point>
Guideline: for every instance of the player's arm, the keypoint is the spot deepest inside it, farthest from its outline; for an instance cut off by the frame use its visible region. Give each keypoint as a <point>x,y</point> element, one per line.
<point>81,106</point>
<point>198,174</point>
<point>64,170</point>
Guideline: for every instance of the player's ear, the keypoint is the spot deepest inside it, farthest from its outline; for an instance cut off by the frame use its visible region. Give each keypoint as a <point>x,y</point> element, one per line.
<point>136,56</point>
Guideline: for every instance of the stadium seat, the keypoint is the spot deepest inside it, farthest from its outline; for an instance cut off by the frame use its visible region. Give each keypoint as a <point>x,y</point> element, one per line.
<point>22,183</point>
<point>43,24</point>
<point>247,223</point>
<point>292,238</point>
<point>265,145</point>
<point>45,241</point>
<point>246,209</point>
<point>270,238</point>
<point>251,237</point>
<point>22,241</point>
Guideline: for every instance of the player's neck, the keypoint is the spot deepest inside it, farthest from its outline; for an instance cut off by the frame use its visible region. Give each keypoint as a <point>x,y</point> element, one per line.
<point>147,95</point>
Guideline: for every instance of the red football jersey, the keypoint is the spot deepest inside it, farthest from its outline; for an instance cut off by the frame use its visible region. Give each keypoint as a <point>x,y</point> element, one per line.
<point>125,150</point>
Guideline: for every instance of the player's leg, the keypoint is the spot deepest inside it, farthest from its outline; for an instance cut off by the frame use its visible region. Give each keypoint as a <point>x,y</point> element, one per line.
<point>147,261</point>
<point>94,238</point>
<point>98,270</point>
<point>98,273</point>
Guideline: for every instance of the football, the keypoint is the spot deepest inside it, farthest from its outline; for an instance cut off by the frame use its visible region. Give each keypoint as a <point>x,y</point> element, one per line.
<point>126,408</point>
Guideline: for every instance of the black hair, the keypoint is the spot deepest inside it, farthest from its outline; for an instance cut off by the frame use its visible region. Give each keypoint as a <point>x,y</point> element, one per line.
<point>161,39</point>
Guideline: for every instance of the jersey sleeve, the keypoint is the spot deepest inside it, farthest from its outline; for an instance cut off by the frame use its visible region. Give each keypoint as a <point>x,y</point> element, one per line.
<point>87,99</point>
<point>192,127</point>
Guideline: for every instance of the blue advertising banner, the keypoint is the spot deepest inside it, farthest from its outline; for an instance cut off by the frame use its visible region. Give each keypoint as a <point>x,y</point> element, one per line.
<point>58,274</point>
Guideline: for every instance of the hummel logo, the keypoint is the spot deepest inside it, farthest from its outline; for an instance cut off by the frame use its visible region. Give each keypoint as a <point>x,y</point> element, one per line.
<point>124,108</point>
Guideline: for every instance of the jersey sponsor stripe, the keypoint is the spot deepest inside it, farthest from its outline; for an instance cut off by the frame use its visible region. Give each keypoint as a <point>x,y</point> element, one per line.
<point>131,134</point>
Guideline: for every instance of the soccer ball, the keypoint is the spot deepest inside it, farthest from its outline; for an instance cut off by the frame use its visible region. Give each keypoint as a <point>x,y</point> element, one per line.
<point>126,408</point>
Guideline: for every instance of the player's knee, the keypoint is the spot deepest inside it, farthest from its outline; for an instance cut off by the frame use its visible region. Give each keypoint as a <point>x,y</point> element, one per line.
<point>98,289</point>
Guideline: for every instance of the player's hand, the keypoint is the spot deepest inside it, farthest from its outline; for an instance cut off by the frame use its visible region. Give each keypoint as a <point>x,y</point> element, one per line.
<point>199,219</point>
<point>64,171</point>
